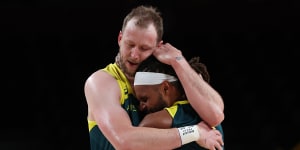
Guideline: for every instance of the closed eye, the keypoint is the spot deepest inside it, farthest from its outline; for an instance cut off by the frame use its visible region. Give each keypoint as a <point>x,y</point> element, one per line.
<point>143,98</point>
<point>143,48</point>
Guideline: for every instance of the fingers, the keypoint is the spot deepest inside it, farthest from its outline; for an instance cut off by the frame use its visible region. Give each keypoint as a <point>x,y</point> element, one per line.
<point>215,142</point>
<point>220,143</point>
<point>219,147</point>
<point>216,146</point>
<point>220,139</point>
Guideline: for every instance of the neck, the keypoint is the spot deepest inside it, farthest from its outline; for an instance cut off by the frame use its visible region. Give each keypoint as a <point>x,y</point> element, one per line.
<point>129,77</point>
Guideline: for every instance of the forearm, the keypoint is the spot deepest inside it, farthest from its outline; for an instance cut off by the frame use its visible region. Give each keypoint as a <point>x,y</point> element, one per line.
<point>123,136</point>
<point>203,98</point>
<point>150,138</point>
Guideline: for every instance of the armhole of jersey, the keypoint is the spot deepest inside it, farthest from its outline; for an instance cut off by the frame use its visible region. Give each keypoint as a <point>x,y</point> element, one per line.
<point>121,92</point>
<point>172,110</point>
<point>91,124</point>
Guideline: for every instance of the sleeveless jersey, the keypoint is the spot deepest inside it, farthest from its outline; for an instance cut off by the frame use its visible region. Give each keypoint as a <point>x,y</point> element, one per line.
<point>183,115</point>
<point>127,101</point>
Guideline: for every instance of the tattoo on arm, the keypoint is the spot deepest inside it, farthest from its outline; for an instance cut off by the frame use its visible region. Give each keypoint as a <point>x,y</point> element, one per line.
<point>178,58</point>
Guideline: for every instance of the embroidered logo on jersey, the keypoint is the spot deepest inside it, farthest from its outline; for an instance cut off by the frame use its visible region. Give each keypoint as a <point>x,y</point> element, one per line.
<point>125,93</point>
<point>131,108</point>
<point>130,103</point>
<point>126,90</point>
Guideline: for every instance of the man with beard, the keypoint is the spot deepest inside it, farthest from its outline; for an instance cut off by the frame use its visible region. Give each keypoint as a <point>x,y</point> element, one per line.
<point>112,114</point>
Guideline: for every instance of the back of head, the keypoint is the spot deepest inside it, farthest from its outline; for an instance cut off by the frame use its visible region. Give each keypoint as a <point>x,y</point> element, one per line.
<point>151,64</point>
<point>146,15</point>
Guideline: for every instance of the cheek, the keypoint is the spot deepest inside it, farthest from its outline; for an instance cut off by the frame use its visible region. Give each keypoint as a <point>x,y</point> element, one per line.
<point>153,101</point>
<point>123,49</point>
<point>145,55</point>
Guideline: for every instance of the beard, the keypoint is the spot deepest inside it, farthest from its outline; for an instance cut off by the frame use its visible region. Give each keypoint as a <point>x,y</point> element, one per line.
<point>121,63</point>
<point>161,104</point>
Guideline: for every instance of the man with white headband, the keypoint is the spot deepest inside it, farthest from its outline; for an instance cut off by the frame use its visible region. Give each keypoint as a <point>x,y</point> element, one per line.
<point>163,99</point>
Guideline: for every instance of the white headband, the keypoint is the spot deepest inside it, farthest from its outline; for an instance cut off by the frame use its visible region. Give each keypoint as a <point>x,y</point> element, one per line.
<point>152,78</point>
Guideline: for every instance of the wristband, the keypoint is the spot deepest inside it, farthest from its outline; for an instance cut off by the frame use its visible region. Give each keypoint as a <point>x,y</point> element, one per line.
<point>188,134</point>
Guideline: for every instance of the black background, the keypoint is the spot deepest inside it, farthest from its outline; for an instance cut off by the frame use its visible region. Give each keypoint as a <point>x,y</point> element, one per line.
<point>50,47</point>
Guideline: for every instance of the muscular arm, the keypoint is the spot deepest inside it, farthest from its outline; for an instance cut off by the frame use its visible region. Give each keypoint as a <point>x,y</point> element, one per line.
<point>204,99</point>
<point>104,108</point>
<point>160,119</point>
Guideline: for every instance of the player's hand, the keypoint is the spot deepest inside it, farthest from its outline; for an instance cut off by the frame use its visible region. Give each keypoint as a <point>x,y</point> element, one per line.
<point>209,138</point>
<point>166,53</point>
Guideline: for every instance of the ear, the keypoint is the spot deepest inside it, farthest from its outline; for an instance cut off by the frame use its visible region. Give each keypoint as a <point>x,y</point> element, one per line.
<point>160,43</point>
<point>165,87</point>
<point>120,37</point>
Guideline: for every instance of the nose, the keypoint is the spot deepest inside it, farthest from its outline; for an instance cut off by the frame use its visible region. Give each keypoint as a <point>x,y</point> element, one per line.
<point>142,107</point>
<point>135,52</point>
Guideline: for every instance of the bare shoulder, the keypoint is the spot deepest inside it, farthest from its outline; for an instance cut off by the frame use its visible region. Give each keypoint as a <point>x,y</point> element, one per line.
<point>99,76</point>
<point>100,79</point>
<point>99,87</point>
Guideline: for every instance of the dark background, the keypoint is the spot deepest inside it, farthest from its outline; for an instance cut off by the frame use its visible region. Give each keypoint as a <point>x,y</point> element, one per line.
<point>50,47</point>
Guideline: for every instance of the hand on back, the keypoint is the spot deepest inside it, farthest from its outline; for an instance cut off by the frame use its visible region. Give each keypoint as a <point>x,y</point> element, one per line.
<point>209,138</point>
